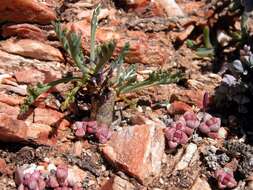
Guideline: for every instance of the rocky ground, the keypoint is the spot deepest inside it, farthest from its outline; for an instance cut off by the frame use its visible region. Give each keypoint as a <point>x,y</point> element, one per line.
<point>139,154</point>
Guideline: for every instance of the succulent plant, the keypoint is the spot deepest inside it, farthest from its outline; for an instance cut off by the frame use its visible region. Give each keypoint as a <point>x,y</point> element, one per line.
<point>55,180</point>
<point>210,126</point>
<point>176,134</point>
<point>225,178</point>
<point>100,131</point>
<point>191,120</point>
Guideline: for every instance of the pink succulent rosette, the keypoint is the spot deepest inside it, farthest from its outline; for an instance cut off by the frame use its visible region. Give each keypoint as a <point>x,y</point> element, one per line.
<point>190,122</point>
<point>176,134</point>
<point>210,126</point>
<point>101,131</point>
<point>225,179</point>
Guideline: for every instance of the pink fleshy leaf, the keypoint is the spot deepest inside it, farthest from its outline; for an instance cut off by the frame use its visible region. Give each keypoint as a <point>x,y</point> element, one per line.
<point>52,182</point>
<point>80,132</point>
<point>204,128</point>
<point>62,173</point>
<point>103,133</point>
<point>172,145</point>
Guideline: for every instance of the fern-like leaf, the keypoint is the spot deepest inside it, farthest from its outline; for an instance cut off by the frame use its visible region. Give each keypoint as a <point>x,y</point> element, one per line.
<point>155,78</point>
<point>103,54</point>
<point>70,97</point>
<point>71,43</point>
<point>94,24</point>
<point>35,92</point>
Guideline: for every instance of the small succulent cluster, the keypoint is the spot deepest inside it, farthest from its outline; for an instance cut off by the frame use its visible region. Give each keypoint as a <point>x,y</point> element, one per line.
<point>101,131</point>
<point>245,153</point>
<point>225,178</point>
<point>214,159</point>
<point>56,180</point>
<point>210,126</point>
<point>236,89</point>
<point>179,132</point>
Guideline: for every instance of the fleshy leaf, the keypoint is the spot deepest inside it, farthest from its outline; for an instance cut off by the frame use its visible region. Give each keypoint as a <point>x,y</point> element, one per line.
<point>35,92</point>
<point>155,78</point>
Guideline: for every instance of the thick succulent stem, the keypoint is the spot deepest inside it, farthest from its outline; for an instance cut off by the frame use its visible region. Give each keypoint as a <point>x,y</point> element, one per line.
<point>102,107</point>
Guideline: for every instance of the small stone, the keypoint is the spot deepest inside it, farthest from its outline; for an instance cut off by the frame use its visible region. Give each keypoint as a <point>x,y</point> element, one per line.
<point>24,31</point>
<point>200,184</point>
<point>32,49</point>
<point>117,183</point>
<point>137,150</point>
<point>187,157</point>
<point>178,107</point>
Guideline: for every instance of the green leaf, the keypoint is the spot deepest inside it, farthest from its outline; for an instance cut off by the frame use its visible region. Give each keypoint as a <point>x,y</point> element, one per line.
<point>127,76</point>
<point>70,97</point>
<point>103,55</point>
<point>205,52</point>
<point>207,41</point>
<point>120,60</point>
<point>71,43</point>
<point>155,78</point>
<point>62,36</point>
<point>35,92</point>
<point>94,24</point>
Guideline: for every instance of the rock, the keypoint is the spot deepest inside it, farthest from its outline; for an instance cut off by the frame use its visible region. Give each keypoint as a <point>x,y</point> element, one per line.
<point>19,11</point>
<point>76,175</point>
<point>50,117</point>
<point>144,49</point>
<point>117,183</point>
<point>171,7</point>
<point>28,31</point>
<point>9,110</point>
<point>30,75</point>
<point>187,157</point>
<point>137,150</point>
<point>40,134</point>
<point>20,89</point>
<point>11,100</point>
<point>32,49</point>
<point>4,169</point>
<point>13,130</point>
<point>178,107</point>
<point>200,184</point>
<point>77,148</point>
<point>10,62</point>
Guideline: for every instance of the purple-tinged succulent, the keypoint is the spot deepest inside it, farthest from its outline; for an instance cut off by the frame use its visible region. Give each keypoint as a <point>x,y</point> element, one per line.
<point>41,184</point>
<point>79,128</point>
<point>103,133</point>
<point>176,134</point>
<point>229,80</point>
<point>61,173</point>
<point>21,187</point>
<point>33,184</point>
<point>191,120</point>
<point>92,127</point>
<point>225,179</point>
<point>52,182</point>
<point>210,126</point>
<point>100,131</point>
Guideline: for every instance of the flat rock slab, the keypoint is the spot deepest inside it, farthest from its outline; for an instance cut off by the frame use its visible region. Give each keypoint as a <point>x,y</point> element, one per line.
<point>137,150</point>
<point>14,130</point>
<point>32,49</point>
<point>26,11</point>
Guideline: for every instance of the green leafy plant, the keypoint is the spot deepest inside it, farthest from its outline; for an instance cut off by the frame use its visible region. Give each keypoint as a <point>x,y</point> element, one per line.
<point>102,76</point>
